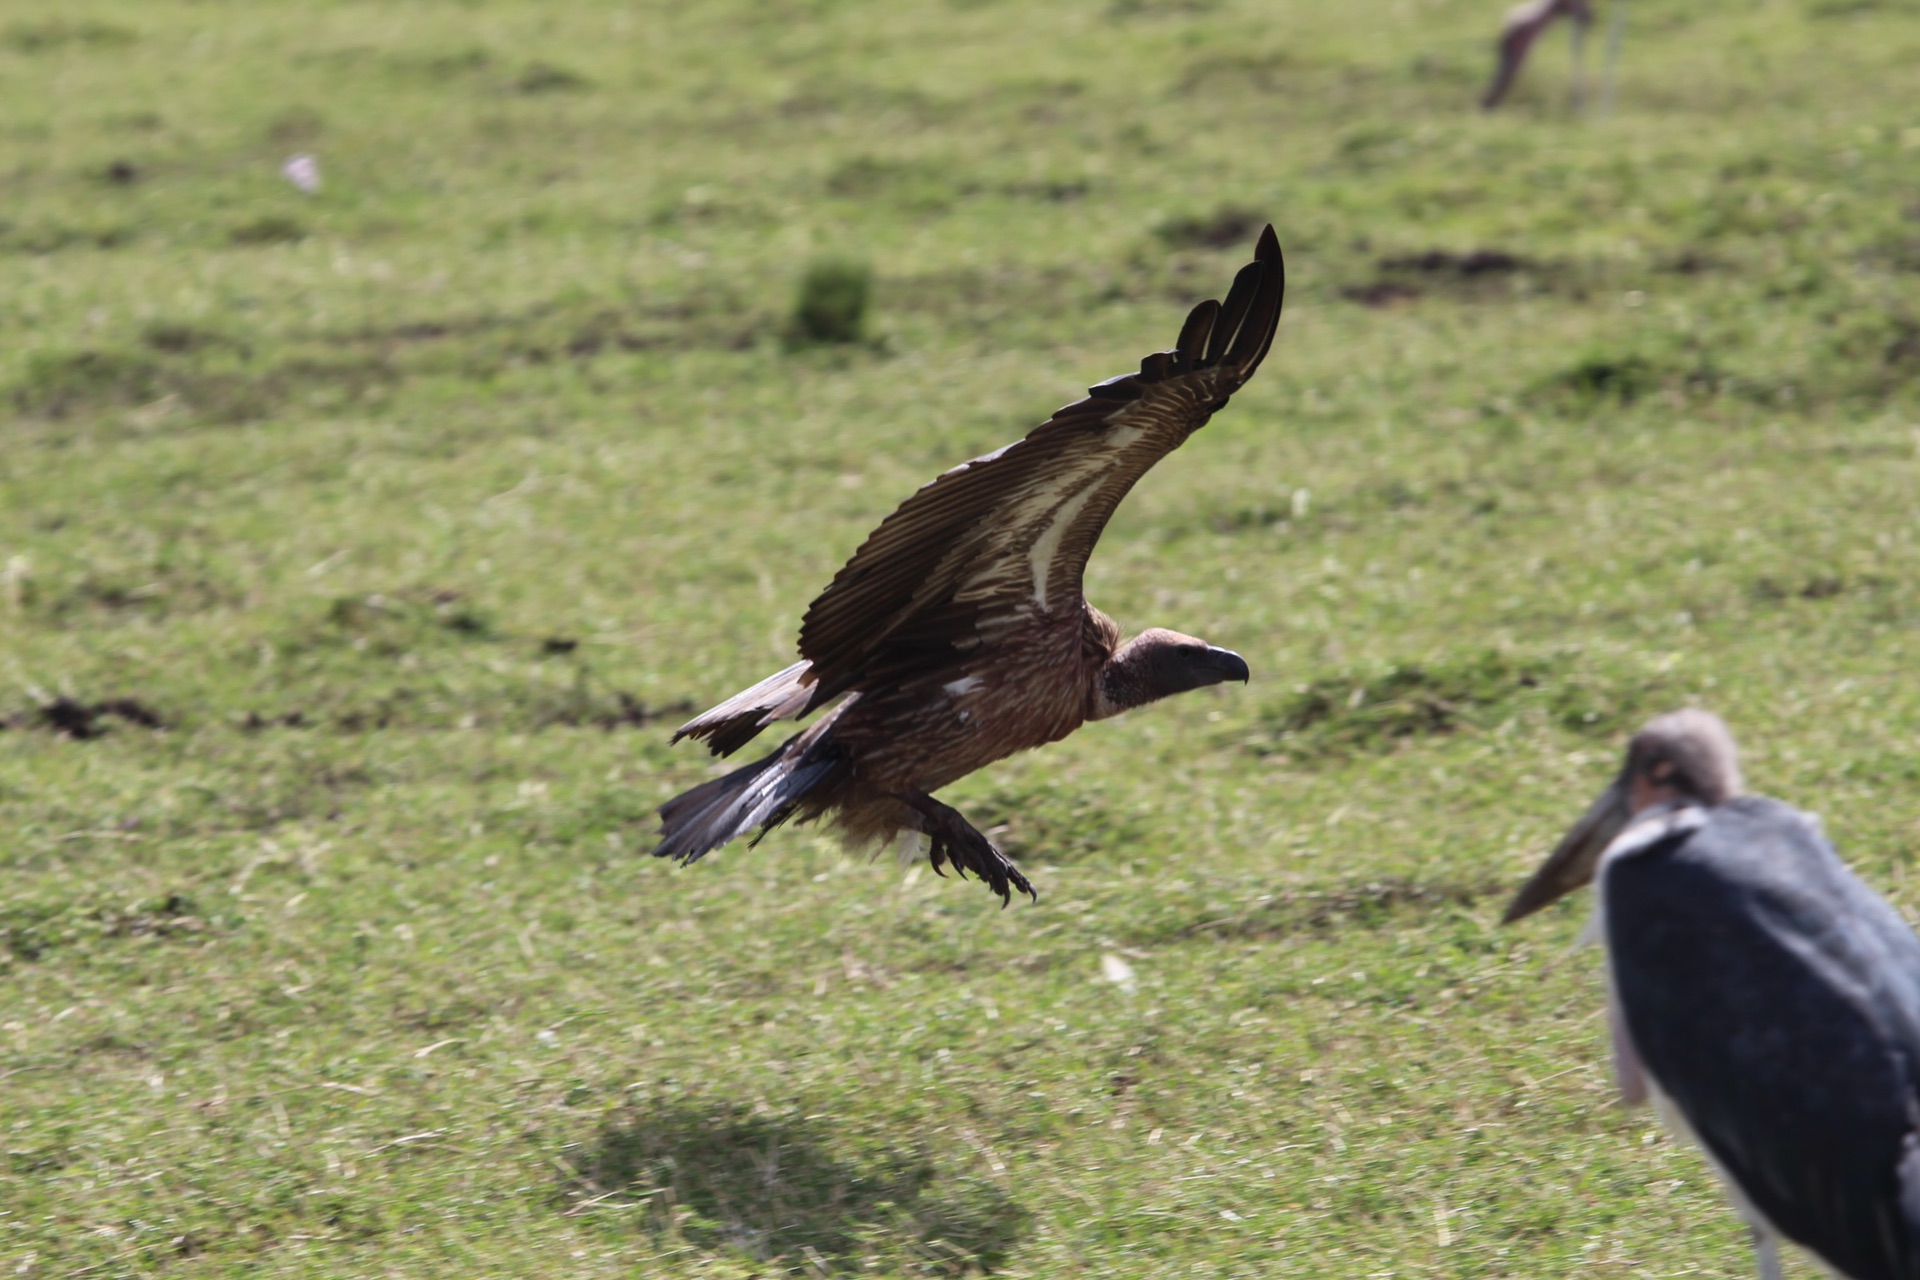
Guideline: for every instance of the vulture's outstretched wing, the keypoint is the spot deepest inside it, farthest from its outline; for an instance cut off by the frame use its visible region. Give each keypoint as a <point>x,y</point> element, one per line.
<point>1003,538</point>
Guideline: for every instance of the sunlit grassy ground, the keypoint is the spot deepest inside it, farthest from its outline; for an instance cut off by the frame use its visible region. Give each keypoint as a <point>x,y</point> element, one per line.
<point>418,510</point>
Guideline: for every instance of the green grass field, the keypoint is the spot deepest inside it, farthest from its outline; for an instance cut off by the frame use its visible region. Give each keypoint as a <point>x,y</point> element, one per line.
<point>418,511</point>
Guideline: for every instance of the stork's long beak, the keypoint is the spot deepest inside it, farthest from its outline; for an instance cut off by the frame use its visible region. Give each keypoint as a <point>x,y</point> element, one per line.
<point>1576,858</point>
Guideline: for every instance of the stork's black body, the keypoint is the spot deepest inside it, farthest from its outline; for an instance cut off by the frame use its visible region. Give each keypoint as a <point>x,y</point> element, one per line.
<point>1775,1000</point>
<point>1765,998</point>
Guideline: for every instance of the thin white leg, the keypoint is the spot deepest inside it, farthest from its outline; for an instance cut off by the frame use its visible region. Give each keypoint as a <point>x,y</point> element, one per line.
<point>1766,1250</point>
<point>1616,27</point>
<point>1579,30</point>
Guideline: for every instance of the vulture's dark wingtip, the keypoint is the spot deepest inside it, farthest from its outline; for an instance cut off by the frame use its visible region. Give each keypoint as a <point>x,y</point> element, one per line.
<point>1253,308</point>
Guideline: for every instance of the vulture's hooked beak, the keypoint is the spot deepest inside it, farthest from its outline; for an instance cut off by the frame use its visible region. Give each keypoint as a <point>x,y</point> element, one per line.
<point>1576,858</point>
<point>1217,666</point>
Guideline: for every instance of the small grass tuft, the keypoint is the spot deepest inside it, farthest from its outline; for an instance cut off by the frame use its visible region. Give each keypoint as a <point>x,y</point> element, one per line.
<point>545,77</point>
<point>1602,379</point>
<point>268,228</point>
<point>832,303</point>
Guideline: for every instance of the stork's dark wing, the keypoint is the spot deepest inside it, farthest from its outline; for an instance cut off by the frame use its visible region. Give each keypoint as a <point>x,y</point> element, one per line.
<point>1776,999</point>
<point>1002,538</point>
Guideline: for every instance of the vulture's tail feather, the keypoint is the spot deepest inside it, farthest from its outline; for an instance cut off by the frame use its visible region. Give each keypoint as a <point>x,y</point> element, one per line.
<point>731,725</point>
<point>763,794</point>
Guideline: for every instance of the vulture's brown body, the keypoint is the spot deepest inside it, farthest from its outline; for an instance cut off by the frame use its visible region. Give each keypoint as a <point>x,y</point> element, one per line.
<point>958,635</point>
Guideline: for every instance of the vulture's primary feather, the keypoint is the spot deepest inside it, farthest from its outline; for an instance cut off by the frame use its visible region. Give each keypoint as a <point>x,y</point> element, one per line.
<point>957,634</point>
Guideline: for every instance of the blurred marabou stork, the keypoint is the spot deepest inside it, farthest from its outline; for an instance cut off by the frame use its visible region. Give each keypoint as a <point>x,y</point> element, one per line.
<point>1766,999</point>
<point>1524,25</point>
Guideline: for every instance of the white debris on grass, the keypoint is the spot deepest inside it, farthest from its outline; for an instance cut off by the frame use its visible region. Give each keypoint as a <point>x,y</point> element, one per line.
<point>303,171</point>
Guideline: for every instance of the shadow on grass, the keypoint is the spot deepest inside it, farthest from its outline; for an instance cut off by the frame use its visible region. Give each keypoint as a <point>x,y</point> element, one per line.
<point>780,1192</point>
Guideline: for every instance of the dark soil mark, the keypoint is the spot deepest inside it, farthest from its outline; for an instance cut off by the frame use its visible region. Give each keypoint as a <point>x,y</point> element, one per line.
<point>1405,276</point>
<point>1466,266</point>
<point>83,721</point>
<point>628,712</point>
<point>1690,262</point>
<point>1380,293</point>
<point>1227,227</point>
<point>254,722</point>
<point>1818,586</point>
<point>176,339</point>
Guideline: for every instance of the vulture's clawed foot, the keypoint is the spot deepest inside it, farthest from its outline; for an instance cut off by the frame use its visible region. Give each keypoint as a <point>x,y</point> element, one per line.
<point>953,839</point>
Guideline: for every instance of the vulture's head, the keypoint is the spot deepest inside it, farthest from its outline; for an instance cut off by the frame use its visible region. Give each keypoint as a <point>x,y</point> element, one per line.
<point>1158,663</point>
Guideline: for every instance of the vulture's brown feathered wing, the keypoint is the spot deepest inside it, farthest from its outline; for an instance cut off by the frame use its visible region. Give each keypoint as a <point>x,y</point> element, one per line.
<point>1007,535</point>
<point>995,541</point>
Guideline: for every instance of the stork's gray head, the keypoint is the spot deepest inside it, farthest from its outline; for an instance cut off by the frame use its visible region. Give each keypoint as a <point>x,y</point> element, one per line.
<point>1686,757</point>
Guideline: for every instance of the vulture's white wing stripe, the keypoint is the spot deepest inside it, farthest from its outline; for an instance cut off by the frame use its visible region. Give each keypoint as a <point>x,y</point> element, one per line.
<point>1047,546</point>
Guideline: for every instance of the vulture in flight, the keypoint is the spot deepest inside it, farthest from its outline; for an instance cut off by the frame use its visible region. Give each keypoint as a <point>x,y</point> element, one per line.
<point>958,634</point>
